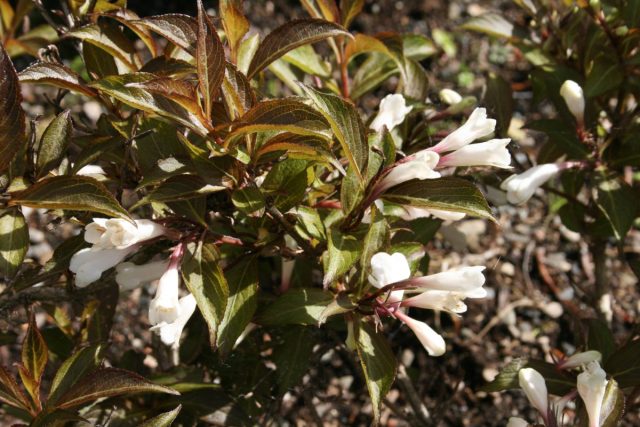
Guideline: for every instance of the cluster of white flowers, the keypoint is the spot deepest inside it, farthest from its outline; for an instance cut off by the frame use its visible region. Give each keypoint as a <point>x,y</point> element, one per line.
<point>112,241</point>
<point>591,386</point>
<point>444,291</point>
<point>457,149</point>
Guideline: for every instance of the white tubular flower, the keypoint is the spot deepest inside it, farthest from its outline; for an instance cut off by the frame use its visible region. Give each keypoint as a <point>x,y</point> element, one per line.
<point>468,281</point>
<point>491,153</point>
<point>387,269</point>
<point>170,332</point>
<point>534,386</point>
<point>419,166</point>
<point>165,306</point>
<point>393,110</point>
<point>120,233</point>
<point>521,188</point>
<point>413,212</point>
<point>476,126</point>
<point>450,97</point>
<point>592,385</point>
<point>450,302</point>
<point>574,98</point>
<point>130,276</point>
<point>580,359</point>
<point>430,339</point>
<point>517,422</point>
<point>88,264</point>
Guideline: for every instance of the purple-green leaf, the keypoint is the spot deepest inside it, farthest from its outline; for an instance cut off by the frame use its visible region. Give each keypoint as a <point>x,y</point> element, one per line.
<point>210,60</point>
<point>12,126</point>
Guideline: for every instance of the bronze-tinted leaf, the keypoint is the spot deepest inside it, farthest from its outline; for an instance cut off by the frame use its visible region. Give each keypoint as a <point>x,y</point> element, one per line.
<point>238,94</point>
<point>12,126</point>
<point>126,88</point>
<point>10,392</point>
<point>346,126</point>
<point>290,36</point>
<point>70,192</point>
<point>73,369</point>
<point>35,356</point>
<point>235,24</point>
<point>350,9</point>
<point>210,61</point>
<point>181,30</point>
<point>109,38</point>
<point>131,20</point>
<point>165,67</point>
<point>181,92</point>
<point>283,115</point>
<point>109,382</point>
<point>55,74</point>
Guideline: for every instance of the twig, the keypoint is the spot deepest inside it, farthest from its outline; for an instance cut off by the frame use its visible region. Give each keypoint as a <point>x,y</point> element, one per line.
<point>404,382</point>
<point>304,244</point>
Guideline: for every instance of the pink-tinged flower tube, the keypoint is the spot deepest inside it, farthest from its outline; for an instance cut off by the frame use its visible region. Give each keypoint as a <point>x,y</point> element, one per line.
<point>165,306</point>
<point>573,96</point>
<point>535,387</point>
<point>430,339</point>
<point>130,276</point>
<point>170,332</point>
<point>491,153</point>
<point>476,126</point>
<point>580,359</point>
<point>393,110</point>
<point>592,385</point>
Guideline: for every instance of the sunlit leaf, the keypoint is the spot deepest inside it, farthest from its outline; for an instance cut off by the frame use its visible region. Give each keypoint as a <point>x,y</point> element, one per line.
<point>181,30</point>
<point>56,75</point>
<point>14,241</point>
<point>35,356</point>
<point>70,192</point>
<point>235,24</point>
<point>302,306</point>
<point>290,36</point>
<point>165,419</point>
<point>110,39</point>
<point>210,61</point>
<point>54,143</point>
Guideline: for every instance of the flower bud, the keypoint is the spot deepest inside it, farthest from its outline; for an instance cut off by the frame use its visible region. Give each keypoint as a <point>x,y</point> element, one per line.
<point>521,188</point>
<point>580,359</point>
<point>450,97</point>
<point>387,269</point>
<point>430,339</point>
<point>477,126</point>
<point>574,98</point>
<point>130,276</point>
<point>592,385</point>
<point>491,153</point>
<point>393,110</point>
<point>465,280</point>
<point>534,386</point>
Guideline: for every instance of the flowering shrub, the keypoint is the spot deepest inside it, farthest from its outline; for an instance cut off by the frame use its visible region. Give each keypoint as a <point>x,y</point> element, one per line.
<point>239,182</point>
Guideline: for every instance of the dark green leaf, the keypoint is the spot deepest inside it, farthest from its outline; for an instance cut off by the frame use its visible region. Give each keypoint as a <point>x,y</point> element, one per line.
<point>70,192</point>
<point>108,382</point>
<point>108,37</point>
<point>54,143</point>
<point>290,36</point>
<point>605,75</point>
<point>98,64</point>
<point>292,356</point>
<point>449,194</point>
<point>557,383</point>
<point>378,364</point>
<point>615,199</point>
<point>241,304</point>
<point>181,30</point>
<point>300,306</point>
<point>178,188</point>
<point>72,370</point>
<point>205,280</point>
<point>286,183</point>
<point>249,200</point>
<point>499,100</point>
<point>624,365</point>
<point>343,252</point>
<point>600,338</point>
